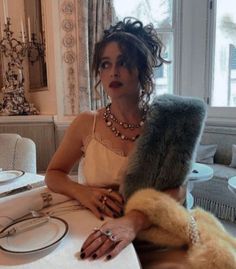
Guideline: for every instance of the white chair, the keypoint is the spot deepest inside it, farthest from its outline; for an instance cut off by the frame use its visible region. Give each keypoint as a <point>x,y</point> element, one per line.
<point>17,153</point>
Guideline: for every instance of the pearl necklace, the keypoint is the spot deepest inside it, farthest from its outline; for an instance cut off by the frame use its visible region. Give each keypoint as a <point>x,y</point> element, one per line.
<point>110,119</point>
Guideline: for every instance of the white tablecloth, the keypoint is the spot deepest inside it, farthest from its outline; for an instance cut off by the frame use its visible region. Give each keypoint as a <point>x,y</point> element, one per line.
<point>66,254</point>
<point>27,178</point>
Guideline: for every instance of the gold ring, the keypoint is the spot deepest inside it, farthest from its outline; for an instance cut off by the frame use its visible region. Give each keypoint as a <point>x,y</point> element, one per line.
<point>95,229</point>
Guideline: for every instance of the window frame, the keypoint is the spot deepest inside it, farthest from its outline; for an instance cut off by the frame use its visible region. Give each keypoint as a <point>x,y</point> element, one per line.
<point>175,31</point>
<point>221,116</point>
<point>177,44</point>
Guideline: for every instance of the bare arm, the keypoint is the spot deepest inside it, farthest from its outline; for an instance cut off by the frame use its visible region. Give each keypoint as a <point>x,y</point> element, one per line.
<point>58,180</point>
<point>67,154</point>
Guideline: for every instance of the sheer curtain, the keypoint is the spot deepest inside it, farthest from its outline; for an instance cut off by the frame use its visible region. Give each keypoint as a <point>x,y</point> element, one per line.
<point>93,17</point>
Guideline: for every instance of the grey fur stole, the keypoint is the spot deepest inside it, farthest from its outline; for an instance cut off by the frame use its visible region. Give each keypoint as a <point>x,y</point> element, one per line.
<point>163,155</point>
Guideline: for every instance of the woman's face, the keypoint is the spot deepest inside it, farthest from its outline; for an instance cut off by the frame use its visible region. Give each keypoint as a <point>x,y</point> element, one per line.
<point>117,79</point>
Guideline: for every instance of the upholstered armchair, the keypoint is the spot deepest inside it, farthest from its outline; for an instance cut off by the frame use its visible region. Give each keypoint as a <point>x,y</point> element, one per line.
<point>18,153</point>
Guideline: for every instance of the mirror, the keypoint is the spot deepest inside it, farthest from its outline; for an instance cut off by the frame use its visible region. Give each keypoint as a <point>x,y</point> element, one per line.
<point>36,55</point>
<point>1,73</point>
<point>37,60</point>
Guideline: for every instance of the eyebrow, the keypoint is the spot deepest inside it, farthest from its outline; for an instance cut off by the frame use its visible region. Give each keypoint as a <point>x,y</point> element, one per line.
<point>105,58</point>
<point>108,58</point>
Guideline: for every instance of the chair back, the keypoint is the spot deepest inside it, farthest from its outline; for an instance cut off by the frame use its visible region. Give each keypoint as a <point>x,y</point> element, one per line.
<point>17,153</point>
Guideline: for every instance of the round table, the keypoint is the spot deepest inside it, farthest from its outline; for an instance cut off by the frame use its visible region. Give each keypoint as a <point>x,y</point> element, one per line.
<point>232,184</point>
<point>199,173</point>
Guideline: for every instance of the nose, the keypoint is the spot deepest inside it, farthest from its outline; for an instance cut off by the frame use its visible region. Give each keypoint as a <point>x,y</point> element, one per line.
<point>115,72</point>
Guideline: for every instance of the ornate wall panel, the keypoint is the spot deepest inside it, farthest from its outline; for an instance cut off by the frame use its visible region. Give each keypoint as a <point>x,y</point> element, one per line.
<point>69,56</point>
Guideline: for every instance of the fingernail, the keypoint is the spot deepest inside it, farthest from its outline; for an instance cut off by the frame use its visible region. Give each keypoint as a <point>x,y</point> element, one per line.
<point>94,256</point>
<point>101,218</point>
<point>82,255</point>
<point>108,257</point>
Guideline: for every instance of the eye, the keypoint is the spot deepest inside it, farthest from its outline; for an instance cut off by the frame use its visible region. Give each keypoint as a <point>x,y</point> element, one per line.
<point>105,65</point>
<point>123,63</point>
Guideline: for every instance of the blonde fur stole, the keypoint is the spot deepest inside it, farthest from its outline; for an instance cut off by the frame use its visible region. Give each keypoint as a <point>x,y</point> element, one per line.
<point>209,245</point>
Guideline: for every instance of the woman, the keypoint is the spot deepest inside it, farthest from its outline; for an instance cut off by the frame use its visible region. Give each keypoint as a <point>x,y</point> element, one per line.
<point>123,61</point>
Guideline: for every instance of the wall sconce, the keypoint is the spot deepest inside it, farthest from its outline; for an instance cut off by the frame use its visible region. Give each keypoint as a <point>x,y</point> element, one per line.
<point>14,50</point>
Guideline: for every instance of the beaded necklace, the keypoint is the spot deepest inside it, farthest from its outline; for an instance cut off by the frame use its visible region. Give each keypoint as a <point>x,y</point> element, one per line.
<point>110,119</point>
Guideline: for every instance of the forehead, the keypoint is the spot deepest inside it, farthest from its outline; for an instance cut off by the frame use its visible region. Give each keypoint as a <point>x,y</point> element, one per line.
<point>111,50</point>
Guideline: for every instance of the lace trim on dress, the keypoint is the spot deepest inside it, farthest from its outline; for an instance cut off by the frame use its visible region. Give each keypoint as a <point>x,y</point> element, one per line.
<point>105,142</point>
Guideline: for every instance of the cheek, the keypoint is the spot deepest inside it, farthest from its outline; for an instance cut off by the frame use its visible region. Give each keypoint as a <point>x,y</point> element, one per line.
<point>102,77</point>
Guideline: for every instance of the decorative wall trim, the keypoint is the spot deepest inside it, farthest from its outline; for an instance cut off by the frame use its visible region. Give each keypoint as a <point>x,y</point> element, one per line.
<point>68,42</point>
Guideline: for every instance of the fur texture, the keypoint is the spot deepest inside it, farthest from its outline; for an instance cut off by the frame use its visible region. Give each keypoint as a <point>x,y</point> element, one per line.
<point>170,227</point>
<point>164,151</point>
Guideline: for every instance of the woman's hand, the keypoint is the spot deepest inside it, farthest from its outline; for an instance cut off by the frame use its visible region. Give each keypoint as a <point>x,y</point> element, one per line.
<point>114,235</point>
<point>101,201</point>
<point>109,239</point>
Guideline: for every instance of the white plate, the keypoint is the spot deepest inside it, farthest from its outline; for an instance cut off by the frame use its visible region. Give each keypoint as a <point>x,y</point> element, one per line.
<point>37,239</point>
<point>10,175</point>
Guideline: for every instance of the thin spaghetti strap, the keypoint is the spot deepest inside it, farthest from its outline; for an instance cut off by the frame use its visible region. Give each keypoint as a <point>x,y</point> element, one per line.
<point>94,123</point>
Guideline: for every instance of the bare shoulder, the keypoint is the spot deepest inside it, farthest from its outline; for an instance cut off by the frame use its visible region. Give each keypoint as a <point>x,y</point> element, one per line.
<point>83,123</point>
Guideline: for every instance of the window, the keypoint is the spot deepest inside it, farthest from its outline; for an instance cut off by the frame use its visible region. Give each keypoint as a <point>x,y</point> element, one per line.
<point>161,14</point>
<point>223,82</point>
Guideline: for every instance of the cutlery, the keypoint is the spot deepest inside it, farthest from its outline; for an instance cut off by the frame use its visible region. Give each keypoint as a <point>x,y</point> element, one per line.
<point>24,227</point>
<point>22,189</point>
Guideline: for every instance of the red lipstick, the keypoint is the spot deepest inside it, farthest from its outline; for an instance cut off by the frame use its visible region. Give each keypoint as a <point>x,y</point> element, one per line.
<point>115,84</point>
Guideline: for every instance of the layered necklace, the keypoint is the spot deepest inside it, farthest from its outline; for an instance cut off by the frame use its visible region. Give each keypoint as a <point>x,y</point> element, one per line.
<point>110,119</point>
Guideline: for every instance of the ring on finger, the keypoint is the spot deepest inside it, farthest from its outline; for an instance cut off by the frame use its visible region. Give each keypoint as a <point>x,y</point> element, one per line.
<point>109,234</point>
<point>96,229</point>
<point>113,238</point>
<point>101,198</point>
<point>104,200</point>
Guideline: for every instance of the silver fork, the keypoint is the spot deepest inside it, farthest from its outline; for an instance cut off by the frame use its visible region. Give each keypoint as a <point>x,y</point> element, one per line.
<point>56,211</point>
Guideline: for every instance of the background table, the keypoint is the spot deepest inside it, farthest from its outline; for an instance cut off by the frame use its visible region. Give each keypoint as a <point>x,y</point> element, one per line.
<point>200,172</point>
<point>232,184</point>
<point>27,178</point>
<point>66,255</point>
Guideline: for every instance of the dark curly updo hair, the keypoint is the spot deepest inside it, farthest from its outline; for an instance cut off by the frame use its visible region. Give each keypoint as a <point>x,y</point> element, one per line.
<point>141,48</point>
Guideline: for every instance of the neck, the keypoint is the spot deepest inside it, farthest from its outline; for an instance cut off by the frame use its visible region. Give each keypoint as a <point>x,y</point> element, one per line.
<point>126,111</point>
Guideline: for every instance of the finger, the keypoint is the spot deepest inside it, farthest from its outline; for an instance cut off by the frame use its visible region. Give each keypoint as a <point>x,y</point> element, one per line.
<point>90,239</point>
<point>114,207</point>
<point>104,208</point>
<point>96,212</point>
<point>104,249</point>
<point>109,212</point>
<point>115,196</point>
<point>94,246</point>
<point>117,249</point>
